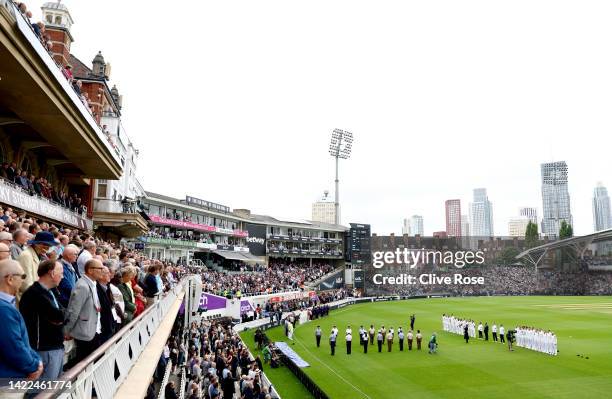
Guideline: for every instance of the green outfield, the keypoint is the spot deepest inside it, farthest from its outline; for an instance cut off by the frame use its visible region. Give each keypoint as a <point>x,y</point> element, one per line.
<point>476,370</point>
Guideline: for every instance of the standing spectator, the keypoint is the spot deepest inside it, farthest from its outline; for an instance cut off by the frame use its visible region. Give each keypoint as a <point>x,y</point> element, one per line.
<point>5,252</point>
<point>67,284</point>
<point>83,314</point>
<point>44,318</point>
<point>20,237</point>
<point>34,254</point>
<point>89,250</point>
<point>107,305</point>
<point>17,358</point>
<point>127,273</point>
<point>150,285</point>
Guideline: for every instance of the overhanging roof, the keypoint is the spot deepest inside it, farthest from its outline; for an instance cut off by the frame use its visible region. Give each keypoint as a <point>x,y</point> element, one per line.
<point>580,242</point>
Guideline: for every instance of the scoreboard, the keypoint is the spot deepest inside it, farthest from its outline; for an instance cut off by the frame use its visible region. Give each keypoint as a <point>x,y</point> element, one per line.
<point>359,246</point>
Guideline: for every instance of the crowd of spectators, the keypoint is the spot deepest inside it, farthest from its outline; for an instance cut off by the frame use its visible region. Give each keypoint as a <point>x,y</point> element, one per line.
<point>217,364</point>
<point>39,186</point>
<point>500,280</point>
<point>59,285</point>
<point>276,277</point>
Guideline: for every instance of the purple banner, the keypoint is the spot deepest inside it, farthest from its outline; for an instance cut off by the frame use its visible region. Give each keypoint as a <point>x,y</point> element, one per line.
<point>245,306</point>
<point>212,302</point>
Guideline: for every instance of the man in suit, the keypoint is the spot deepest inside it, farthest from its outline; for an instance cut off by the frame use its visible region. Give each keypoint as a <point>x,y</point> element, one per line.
<point>412,318</point>
<point>44,318</point>
<point>107,303</point>
<point>486,331</point>
<point>83,314</point>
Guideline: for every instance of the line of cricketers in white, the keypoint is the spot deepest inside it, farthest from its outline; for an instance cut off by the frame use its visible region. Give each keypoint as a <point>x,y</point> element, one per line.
<point>526,337</point>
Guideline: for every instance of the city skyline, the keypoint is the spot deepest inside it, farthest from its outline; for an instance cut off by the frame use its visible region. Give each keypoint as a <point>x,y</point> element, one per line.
<point>242,107</point>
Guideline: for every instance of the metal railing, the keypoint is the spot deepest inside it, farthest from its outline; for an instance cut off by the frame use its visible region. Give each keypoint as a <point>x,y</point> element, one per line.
<point>182,384</point>
<point>108,366</point>
<point>162,386</point>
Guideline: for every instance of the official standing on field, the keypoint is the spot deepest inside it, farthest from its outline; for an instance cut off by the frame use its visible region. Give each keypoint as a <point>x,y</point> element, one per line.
<point>332,342</point>
<point>502,332</point>
<point>486,331</point>
<point>389,341</point>
<point>372,333</point>
<point>364,339</point>
<point>466,335</point>
<point>379,339</point>
<point>349,341</point>
<point>412,322</point>
<point>494,330</point>
<point>410,338</point>
<point>400,336</point>
<point>318,336</point>
<point>419,338</point>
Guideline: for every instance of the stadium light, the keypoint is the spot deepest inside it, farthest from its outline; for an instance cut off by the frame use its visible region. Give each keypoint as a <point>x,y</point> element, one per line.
<point>340,147</point>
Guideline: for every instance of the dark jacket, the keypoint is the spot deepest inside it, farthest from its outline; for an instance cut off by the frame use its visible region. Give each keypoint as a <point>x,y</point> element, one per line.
<point>150,286</point>
<point>43,319</point>
<point>106,314</point>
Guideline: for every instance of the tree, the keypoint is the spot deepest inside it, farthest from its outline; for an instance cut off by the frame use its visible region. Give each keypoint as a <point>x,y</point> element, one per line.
<point>567,254</point>
<point>508,256</point>
<point>565,231</point>
<point>531,235</point>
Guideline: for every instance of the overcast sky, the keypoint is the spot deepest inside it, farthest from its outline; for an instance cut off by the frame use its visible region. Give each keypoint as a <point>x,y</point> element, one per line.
<point>235,101</point>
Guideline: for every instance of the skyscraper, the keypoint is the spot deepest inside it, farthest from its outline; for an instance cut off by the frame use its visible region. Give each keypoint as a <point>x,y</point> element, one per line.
<point>324,210</point>
<point>453,217</point>
<point>555,197</point>
<point>481,214</point>
<point>602,219</point>
<point>416,225</point>
<point>465,226</point>
<point>406,227</point>
<point>529,212</point>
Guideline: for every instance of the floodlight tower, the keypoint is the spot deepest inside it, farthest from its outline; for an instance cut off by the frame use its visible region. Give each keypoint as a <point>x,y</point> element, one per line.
<point>339,148</point>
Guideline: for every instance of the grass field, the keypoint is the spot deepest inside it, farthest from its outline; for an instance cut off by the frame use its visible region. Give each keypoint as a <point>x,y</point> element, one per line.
<point>476,370</point>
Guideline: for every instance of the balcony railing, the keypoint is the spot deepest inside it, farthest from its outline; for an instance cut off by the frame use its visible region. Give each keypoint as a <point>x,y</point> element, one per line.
<point>97,370</point>
<point>115,206</point>
<point>25,27</point>
<point>15,196</point>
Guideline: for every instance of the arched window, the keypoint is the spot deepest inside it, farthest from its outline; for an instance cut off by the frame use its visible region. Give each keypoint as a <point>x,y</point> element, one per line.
<point>58,20</point>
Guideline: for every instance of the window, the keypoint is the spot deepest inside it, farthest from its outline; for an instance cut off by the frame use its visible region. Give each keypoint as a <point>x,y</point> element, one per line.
<point>102,189</point>
<point>58,20</point>
<point>49,18</point>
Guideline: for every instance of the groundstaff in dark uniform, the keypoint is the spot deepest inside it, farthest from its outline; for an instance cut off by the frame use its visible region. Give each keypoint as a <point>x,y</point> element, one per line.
<point>486,331</point>
<point>466,335</point>
<point>364,340</point>
<point>379,339</point>
<point>332,342</point>
<point>349,341</point>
